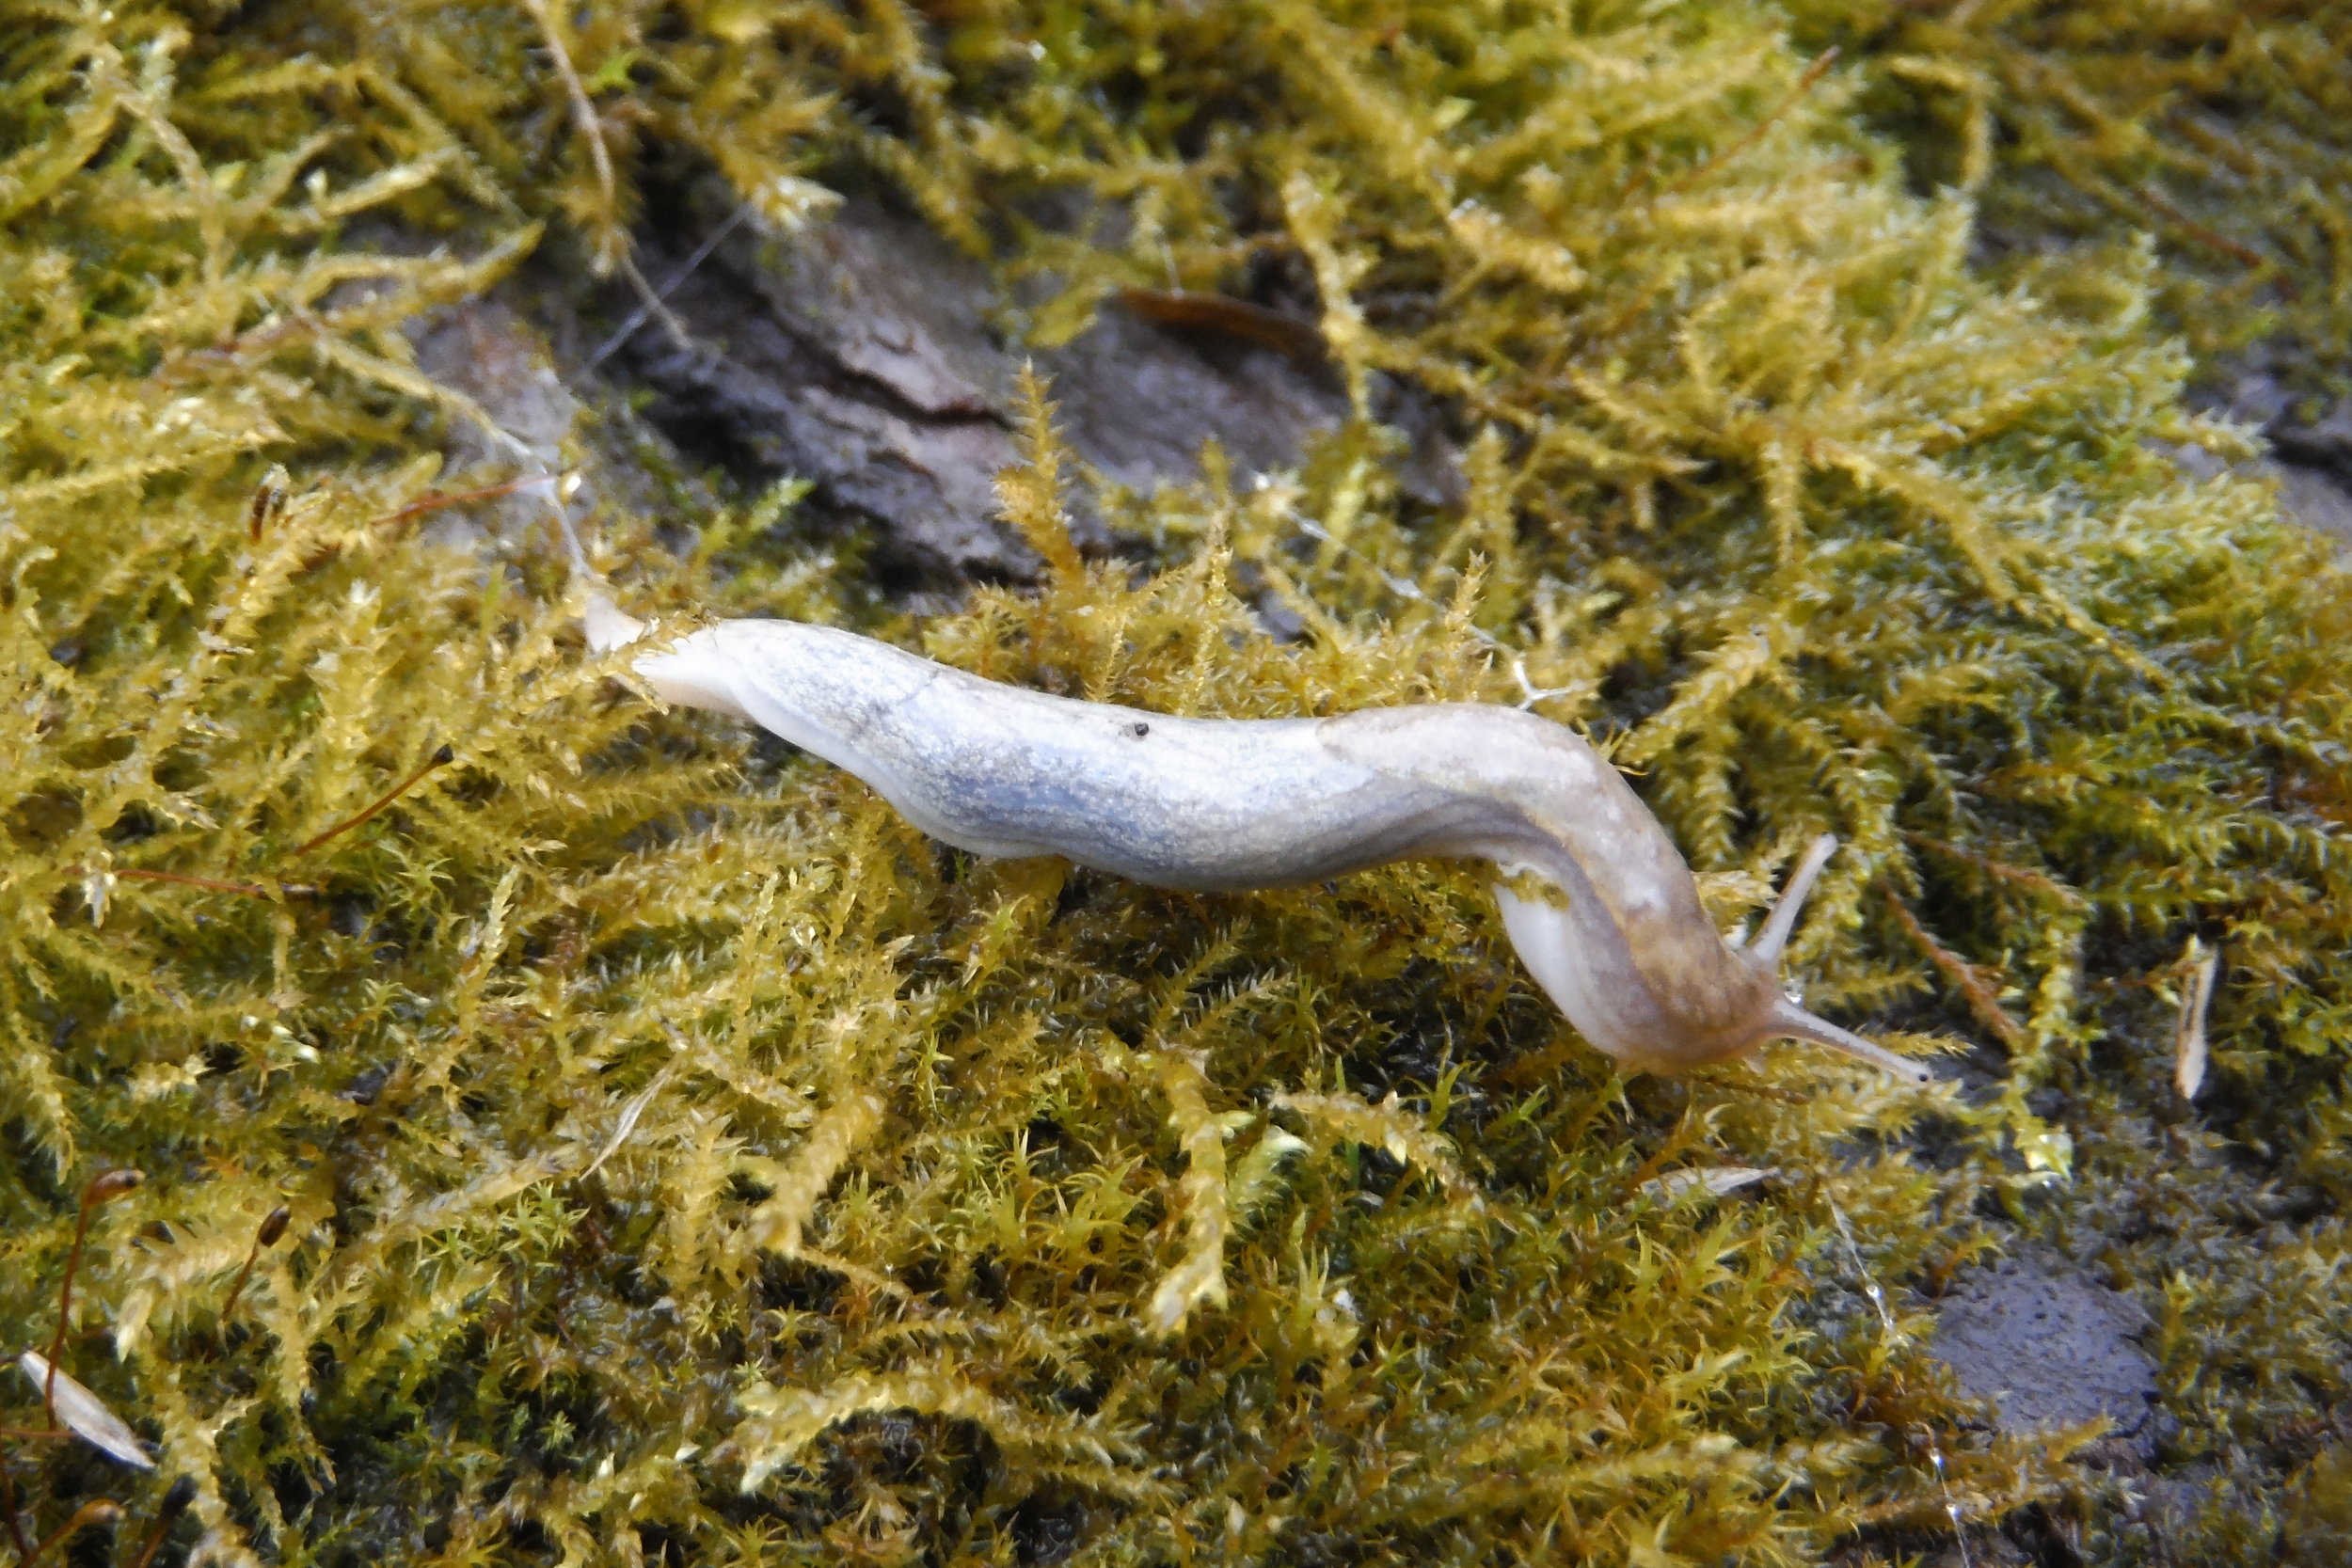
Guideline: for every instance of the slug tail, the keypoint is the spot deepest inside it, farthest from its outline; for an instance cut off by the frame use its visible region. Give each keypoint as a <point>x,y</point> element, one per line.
<point>1783,919</point>
<point>1795,1022</point>
<point>600,615</point>
<point>607,627</point>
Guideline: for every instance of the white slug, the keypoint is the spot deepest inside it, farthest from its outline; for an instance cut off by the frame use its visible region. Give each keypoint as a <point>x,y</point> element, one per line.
<point>1614,933</point>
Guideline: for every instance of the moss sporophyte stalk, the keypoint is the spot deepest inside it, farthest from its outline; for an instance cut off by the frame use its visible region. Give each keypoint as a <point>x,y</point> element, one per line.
<point>682,1156</point>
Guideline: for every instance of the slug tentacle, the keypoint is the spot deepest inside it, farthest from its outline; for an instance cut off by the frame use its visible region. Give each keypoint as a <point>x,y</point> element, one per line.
<point>1793,1022</point>
<point>1611,927</point>
<point>1783,919</point>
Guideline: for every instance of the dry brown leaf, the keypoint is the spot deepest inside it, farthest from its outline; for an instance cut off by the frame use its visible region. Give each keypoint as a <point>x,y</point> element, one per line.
<point>2188,1033</point>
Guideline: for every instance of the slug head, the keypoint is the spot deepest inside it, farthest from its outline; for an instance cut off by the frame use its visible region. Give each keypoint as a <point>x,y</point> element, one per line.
<point>1784,1017</point>
<point>1663,992</point>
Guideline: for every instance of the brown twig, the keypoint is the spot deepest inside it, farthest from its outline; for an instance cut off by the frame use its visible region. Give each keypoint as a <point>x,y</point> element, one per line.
<point>1237,318</point>
<point>101,1189</point>
<point>1813,73</point>
<point>2235,249</point>
<point>440,758</point>
<point>2002,870</point>
<point>273,1225</point>
<point>1981,998</point>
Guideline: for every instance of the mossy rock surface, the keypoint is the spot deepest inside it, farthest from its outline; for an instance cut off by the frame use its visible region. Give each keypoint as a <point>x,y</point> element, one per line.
<point>685,1159</point>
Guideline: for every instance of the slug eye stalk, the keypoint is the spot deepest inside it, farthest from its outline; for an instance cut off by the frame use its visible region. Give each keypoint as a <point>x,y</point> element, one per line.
<point>1791,1021</point>
<point>1789,1018</point>
<point>1782,922</point>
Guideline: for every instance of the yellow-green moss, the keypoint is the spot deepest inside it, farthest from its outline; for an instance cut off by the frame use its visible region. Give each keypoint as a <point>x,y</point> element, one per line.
<point>2222,131</point>
<point>1816,528</point>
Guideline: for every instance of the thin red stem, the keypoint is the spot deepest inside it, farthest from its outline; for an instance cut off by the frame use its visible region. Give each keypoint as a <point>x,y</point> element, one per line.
<point>186,880</point>
<point>104,1187</point>
<point>97,1511</point>
<point>434,504</point>
<point>438,759</point>
<point>1813,73</point>
<point>271,1226</point>
<point>65,1305</point>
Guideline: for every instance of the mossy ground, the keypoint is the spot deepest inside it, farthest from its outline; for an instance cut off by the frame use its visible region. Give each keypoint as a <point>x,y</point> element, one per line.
<point>689,1162</point>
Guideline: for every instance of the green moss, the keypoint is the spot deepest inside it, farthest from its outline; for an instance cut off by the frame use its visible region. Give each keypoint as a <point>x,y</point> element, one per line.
<point>2218,129</point>
<point>1816,527</point>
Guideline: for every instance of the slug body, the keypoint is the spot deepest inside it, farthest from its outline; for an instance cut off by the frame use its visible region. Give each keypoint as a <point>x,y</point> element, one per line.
<point>1614,931</point>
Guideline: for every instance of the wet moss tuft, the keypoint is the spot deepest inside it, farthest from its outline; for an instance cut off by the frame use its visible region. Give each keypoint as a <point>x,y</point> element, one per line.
<point>688,1161</point>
